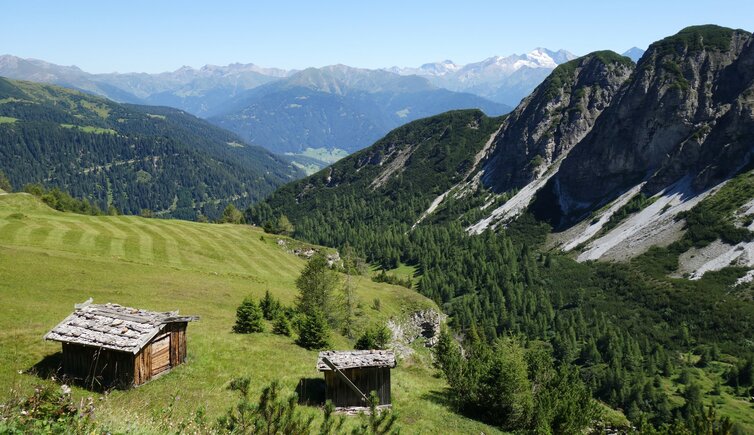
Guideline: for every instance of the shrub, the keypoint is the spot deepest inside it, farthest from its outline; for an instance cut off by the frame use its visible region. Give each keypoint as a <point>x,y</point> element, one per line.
<point>374,338</point>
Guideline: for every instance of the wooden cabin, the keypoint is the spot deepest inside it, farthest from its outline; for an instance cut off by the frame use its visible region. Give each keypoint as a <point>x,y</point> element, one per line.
<point>115,346</point>
<point>350,376</point>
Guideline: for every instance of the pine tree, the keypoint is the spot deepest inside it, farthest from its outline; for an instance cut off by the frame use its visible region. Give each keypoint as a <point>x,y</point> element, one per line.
<point>248,317</point>
<point>315,333</point>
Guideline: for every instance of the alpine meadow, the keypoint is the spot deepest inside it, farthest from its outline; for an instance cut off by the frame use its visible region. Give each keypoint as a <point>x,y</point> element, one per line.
<point>553,242</point>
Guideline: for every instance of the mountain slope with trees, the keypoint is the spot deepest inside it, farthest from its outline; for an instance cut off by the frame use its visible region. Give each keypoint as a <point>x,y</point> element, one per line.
<point>130,157</point>
<point>659,348</point>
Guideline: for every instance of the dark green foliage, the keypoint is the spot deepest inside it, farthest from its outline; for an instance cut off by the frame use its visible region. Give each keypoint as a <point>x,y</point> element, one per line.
<point>270,306</point>
<point>231,215</point>
<point>636,204</point>
<point>377,337</point>
<point>133,157</point>
<point>271,415</point>
<point>281,324</point>
<point>316,285</point>
<point>5,182</point>
<point>248,317</point>
<point>62,201</point>
<point>516,388</point>
<point>696,38</point>
<point>315,332</point>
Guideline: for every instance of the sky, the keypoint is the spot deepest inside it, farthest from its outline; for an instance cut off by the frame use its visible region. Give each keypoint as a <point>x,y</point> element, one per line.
<point>156,36</point>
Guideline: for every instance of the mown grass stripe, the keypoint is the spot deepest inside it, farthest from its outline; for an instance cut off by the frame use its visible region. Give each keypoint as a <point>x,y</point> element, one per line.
<point>73,238</point>
<point>103,239</point>
<point>132,247</point>
<point>22,235</point>
<point>158,244</point>
<point>175,243</point>
<point>38,236</point>
<point>118,237</point>
<point>8,231</point>
<point>209,248</point>
<point>277,268</point>
<point>56,236</point>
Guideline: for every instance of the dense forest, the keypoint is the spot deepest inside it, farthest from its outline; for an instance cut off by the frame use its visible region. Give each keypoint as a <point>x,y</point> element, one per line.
<point>631,333</point>
<point>130,157</point>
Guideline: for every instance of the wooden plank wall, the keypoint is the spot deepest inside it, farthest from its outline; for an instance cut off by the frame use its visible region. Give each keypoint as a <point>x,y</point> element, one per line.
<point>143,364</point>
<point>97,367</point>
<point>367,379</point>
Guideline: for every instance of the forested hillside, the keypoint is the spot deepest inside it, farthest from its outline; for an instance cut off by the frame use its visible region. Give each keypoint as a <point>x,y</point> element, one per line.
<point>130,157</point>
<point>659,348</point>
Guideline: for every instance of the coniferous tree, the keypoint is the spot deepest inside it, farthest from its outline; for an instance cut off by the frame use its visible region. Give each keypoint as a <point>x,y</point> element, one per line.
<point>315,332</point>
<point>270,306</point>
<point>281,326</point>
<point>248,317</point>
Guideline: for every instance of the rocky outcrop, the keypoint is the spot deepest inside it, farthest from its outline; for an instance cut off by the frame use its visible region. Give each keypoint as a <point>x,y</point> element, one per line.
<point>687,111</point>
<point>419,325</point>
<point>554,118</point>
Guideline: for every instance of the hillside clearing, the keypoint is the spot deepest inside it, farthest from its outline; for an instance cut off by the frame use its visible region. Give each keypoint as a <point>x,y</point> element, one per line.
<point>49,261</point>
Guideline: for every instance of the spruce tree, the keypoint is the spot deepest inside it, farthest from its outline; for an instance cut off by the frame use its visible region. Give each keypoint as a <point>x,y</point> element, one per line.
<point>316,285</point>
<point>270,306</point>
<point>315,333</point>
<point>282,325</point>
<point>248,317</point>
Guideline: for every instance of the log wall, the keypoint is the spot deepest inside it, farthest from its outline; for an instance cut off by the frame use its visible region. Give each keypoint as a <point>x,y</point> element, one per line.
<point>367,379</point>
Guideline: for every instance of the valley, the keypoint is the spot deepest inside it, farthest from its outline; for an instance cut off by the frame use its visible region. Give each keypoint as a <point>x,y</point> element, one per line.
<point>545,243</point>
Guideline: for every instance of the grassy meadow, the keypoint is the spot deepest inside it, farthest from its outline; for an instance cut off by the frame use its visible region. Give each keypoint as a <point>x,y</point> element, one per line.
<point>51,260</point>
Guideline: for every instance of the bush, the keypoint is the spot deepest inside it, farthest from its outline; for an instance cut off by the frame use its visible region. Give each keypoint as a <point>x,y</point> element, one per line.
<point>374,338</point>
<point>50,409</point>
<point>248,317</point>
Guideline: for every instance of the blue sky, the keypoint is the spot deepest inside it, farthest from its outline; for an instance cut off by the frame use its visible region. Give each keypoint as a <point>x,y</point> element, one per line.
<point>155,36</point>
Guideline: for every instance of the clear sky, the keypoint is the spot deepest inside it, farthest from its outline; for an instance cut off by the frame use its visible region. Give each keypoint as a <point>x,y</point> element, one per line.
<point>157,35</point>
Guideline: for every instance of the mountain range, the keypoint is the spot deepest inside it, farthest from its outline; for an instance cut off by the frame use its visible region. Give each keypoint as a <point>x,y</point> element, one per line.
<point>345,108</point>
<point>128,156</point>
<point>571,153</point>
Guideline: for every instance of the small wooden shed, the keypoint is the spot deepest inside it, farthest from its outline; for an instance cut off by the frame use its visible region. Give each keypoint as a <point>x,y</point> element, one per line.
<point>352,374</point>
<point>110,345</point>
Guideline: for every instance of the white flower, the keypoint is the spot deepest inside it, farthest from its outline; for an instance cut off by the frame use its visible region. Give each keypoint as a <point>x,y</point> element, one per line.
<point>65,389</point>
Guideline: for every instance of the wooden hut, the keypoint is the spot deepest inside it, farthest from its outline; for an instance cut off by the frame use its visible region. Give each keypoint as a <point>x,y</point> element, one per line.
<point>351,375</point>
<point>114,346</point>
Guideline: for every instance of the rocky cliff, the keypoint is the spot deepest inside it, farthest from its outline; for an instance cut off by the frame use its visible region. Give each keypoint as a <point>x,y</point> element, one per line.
<point>554,118</point>
<point>686,111</point>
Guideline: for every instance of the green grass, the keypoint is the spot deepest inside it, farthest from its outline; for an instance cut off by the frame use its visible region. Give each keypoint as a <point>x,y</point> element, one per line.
<point>90,129</point>
<point>7,120</point>
<point>325,155</point>
<point>51,260</point>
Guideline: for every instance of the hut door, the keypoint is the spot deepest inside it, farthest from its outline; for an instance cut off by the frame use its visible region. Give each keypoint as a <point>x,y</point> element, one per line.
<point>161,354</point>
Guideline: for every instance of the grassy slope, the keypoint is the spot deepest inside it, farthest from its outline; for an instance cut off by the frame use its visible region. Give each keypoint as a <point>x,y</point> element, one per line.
<point>50,261</point>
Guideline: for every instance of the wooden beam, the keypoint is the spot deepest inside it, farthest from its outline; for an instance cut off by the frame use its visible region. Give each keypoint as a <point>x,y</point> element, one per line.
<point>345,379</point>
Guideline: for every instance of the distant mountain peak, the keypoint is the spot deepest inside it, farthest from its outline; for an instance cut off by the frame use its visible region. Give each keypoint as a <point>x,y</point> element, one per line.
<point>634,53</point>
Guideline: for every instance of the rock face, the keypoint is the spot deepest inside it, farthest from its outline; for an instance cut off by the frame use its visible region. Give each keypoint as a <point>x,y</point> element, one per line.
<point>423,324</point>
<point>554,118</point>
<point>688,110</point>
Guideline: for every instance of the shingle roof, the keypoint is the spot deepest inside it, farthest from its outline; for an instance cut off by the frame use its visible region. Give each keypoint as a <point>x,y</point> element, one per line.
<point>113,326</point>
<point>349,359</point>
